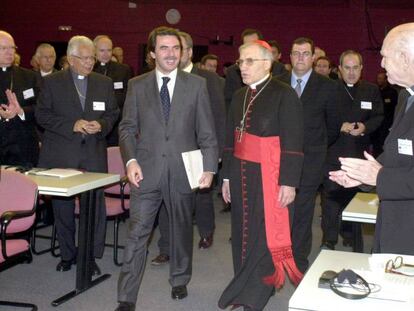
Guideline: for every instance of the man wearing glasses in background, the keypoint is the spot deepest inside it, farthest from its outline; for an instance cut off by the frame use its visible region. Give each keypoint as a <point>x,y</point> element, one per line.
<point>392,172</point>
<point>318,97</point>
<point>19,144</point>
<point>262,165</point>
<point>77,109</point>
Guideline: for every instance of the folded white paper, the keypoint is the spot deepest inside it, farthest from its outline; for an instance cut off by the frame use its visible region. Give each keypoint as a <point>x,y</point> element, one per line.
<point>193,163</point>
<point>56,172</point>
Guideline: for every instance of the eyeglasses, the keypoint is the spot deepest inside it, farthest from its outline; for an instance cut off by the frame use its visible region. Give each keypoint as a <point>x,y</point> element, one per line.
<point>249,61</point>
<point>298,54</point>
<point>84,59</point>
<point>392,266</point>
<point>7,48</point>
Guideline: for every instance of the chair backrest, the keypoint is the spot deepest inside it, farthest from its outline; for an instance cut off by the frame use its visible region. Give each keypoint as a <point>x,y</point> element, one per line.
<point>17,193</point>
<point>116,166</point>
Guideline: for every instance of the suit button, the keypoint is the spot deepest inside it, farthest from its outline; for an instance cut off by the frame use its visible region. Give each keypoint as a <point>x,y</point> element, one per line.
<point>167,138</point>
<point>163,156</point>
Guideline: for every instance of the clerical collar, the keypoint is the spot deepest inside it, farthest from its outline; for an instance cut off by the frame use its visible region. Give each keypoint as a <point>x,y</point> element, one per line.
<point>189,67</point>
<point>103,64</point>
<point>410,90</point>
<point>254,85</point>
<point>4,69</point>
<point>77,76</point>
<point>350,85</point>
<point>43,73</point>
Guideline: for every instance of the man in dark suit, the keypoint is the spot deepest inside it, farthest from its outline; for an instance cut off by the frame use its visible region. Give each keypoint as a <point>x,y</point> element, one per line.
<point>19,144</point>
<point>278,68</point>
<point>46,57</point>
<point>392,172</point>
<point>119,73</point>
<point>204,207</point>
<point>167,112</point>
<point>77,109</point>
<point>317,94</point>
<point>360,114</point>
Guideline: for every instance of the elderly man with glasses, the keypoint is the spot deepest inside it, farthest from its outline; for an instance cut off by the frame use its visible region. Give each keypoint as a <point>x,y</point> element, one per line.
<point>262,167</point>
<point>77,109</point>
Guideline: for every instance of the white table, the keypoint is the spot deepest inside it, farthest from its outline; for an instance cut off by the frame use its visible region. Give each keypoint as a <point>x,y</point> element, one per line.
<point>309,297</point>
<point>362,208</point>
<point>69,186</point>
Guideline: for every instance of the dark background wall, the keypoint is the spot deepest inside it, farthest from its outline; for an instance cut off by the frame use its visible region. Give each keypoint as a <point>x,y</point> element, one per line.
<point>335,25</point>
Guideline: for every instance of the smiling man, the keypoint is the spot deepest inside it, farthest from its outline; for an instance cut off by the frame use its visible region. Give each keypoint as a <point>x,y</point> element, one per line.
<point>77,109</point>
<point>262,161</point>
<point>167,112</point>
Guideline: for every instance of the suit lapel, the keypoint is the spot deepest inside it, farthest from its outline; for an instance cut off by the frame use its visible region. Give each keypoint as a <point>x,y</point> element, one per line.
<point>153,99</point>
<point>402,120</point>
<point>73,93</point>
<point>178,97</point>
<point>308,90</point>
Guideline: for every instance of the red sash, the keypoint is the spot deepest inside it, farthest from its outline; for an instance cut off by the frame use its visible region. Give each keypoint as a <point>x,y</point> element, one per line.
<point>266,151</point>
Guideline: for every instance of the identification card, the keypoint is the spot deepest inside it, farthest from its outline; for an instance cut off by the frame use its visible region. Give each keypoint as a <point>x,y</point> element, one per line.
<point>29,93</point>
<point>118,85</point>
<point>98,106</point>
<point>366,105</point>
<point>387,100</point>
<point>405,146</point>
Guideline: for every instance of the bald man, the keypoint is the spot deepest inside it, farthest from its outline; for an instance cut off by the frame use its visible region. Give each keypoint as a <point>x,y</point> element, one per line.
<point>393,171</point>
<point>118,72</point>
<point>18,90</point>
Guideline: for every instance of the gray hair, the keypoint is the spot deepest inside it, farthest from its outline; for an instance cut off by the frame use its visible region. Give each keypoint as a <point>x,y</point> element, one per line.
<point>75,42</point>
<point>187,38</point>
<point>266,54</point>
<point>44,46</point>
<point>97,38</point>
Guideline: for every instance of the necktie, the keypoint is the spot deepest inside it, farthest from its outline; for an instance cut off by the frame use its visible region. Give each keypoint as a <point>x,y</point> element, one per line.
<point>165,98</point>
<point>298,87</point>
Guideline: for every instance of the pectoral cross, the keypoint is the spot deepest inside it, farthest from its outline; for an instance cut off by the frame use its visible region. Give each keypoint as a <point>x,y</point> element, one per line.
<point>240,129</point>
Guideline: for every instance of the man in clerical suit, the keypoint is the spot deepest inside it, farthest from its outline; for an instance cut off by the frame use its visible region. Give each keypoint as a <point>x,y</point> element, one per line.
<point>204,207</point>
<point>77,109</point>
<point>318,97</point>
<point>119,73</point>
<point>360,111</point>
<point>392,172</point>
<point>262,165</point>
<point>166,112</point>
<point>46,57</point>
<point>19,144</point>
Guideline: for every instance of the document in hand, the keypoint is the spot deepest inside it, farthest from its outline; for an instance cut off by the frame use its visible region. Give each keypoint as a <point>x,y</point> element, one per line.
<point>193,163</point>
<point>56,172</point>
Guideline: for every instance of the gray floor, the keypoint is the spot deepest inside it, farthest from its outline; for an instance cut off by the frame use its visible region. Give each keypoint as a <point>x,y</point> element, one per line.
<point>39,283</point>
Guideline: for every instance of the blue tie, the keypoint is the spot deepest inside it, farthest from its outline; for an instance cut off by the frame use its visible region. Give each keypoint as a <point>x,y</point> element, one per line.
<point>165,98</point>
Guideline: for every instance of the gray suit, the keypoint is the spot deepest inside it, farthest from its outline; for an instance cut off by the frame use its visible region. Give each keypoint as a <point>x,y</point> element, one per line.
<point>157,146</point>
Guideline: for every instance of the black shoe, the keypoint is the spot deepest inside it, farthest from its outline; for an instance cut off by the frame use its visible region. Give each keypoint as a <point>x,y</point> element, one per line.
<point>95,269</point>
<point>125,306</point>
<point>179,292</point>
<point>347,242</point>
<point>205,242</point>
<point>65,265</point>
<point>328,245</point>
<point>160,260</point>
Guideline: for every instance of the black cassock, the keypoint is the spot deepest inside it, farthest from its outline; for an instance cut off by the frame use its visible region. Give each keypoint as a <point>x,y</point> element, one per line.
<point>276,111</point>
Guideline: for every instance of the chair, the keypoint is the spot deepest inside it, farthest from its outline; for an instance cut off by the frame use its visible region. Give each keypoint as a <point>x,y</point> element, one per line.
<point>18,196</point>
<point>116,198</point>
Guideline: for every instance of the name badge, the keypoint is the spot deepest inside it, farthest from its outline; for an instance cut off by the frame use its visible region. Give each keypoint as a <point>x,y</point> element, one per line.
<point>387,100</point>
<point>366,105</point>
<point>405,146</point>
<point>118,85</point>
<point>98,106</point>
<point>29,93</point>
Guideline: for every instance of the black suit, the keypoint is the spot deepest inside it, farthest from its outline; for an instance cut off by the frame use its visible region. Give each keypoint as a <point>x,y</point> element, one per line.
<point>19,144</point>
<point>120,75</point>
<point>58,109</point>
<point>395,220</point>
<point>321,126</point>
<point>204,207</point>
<point>360,103</point>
